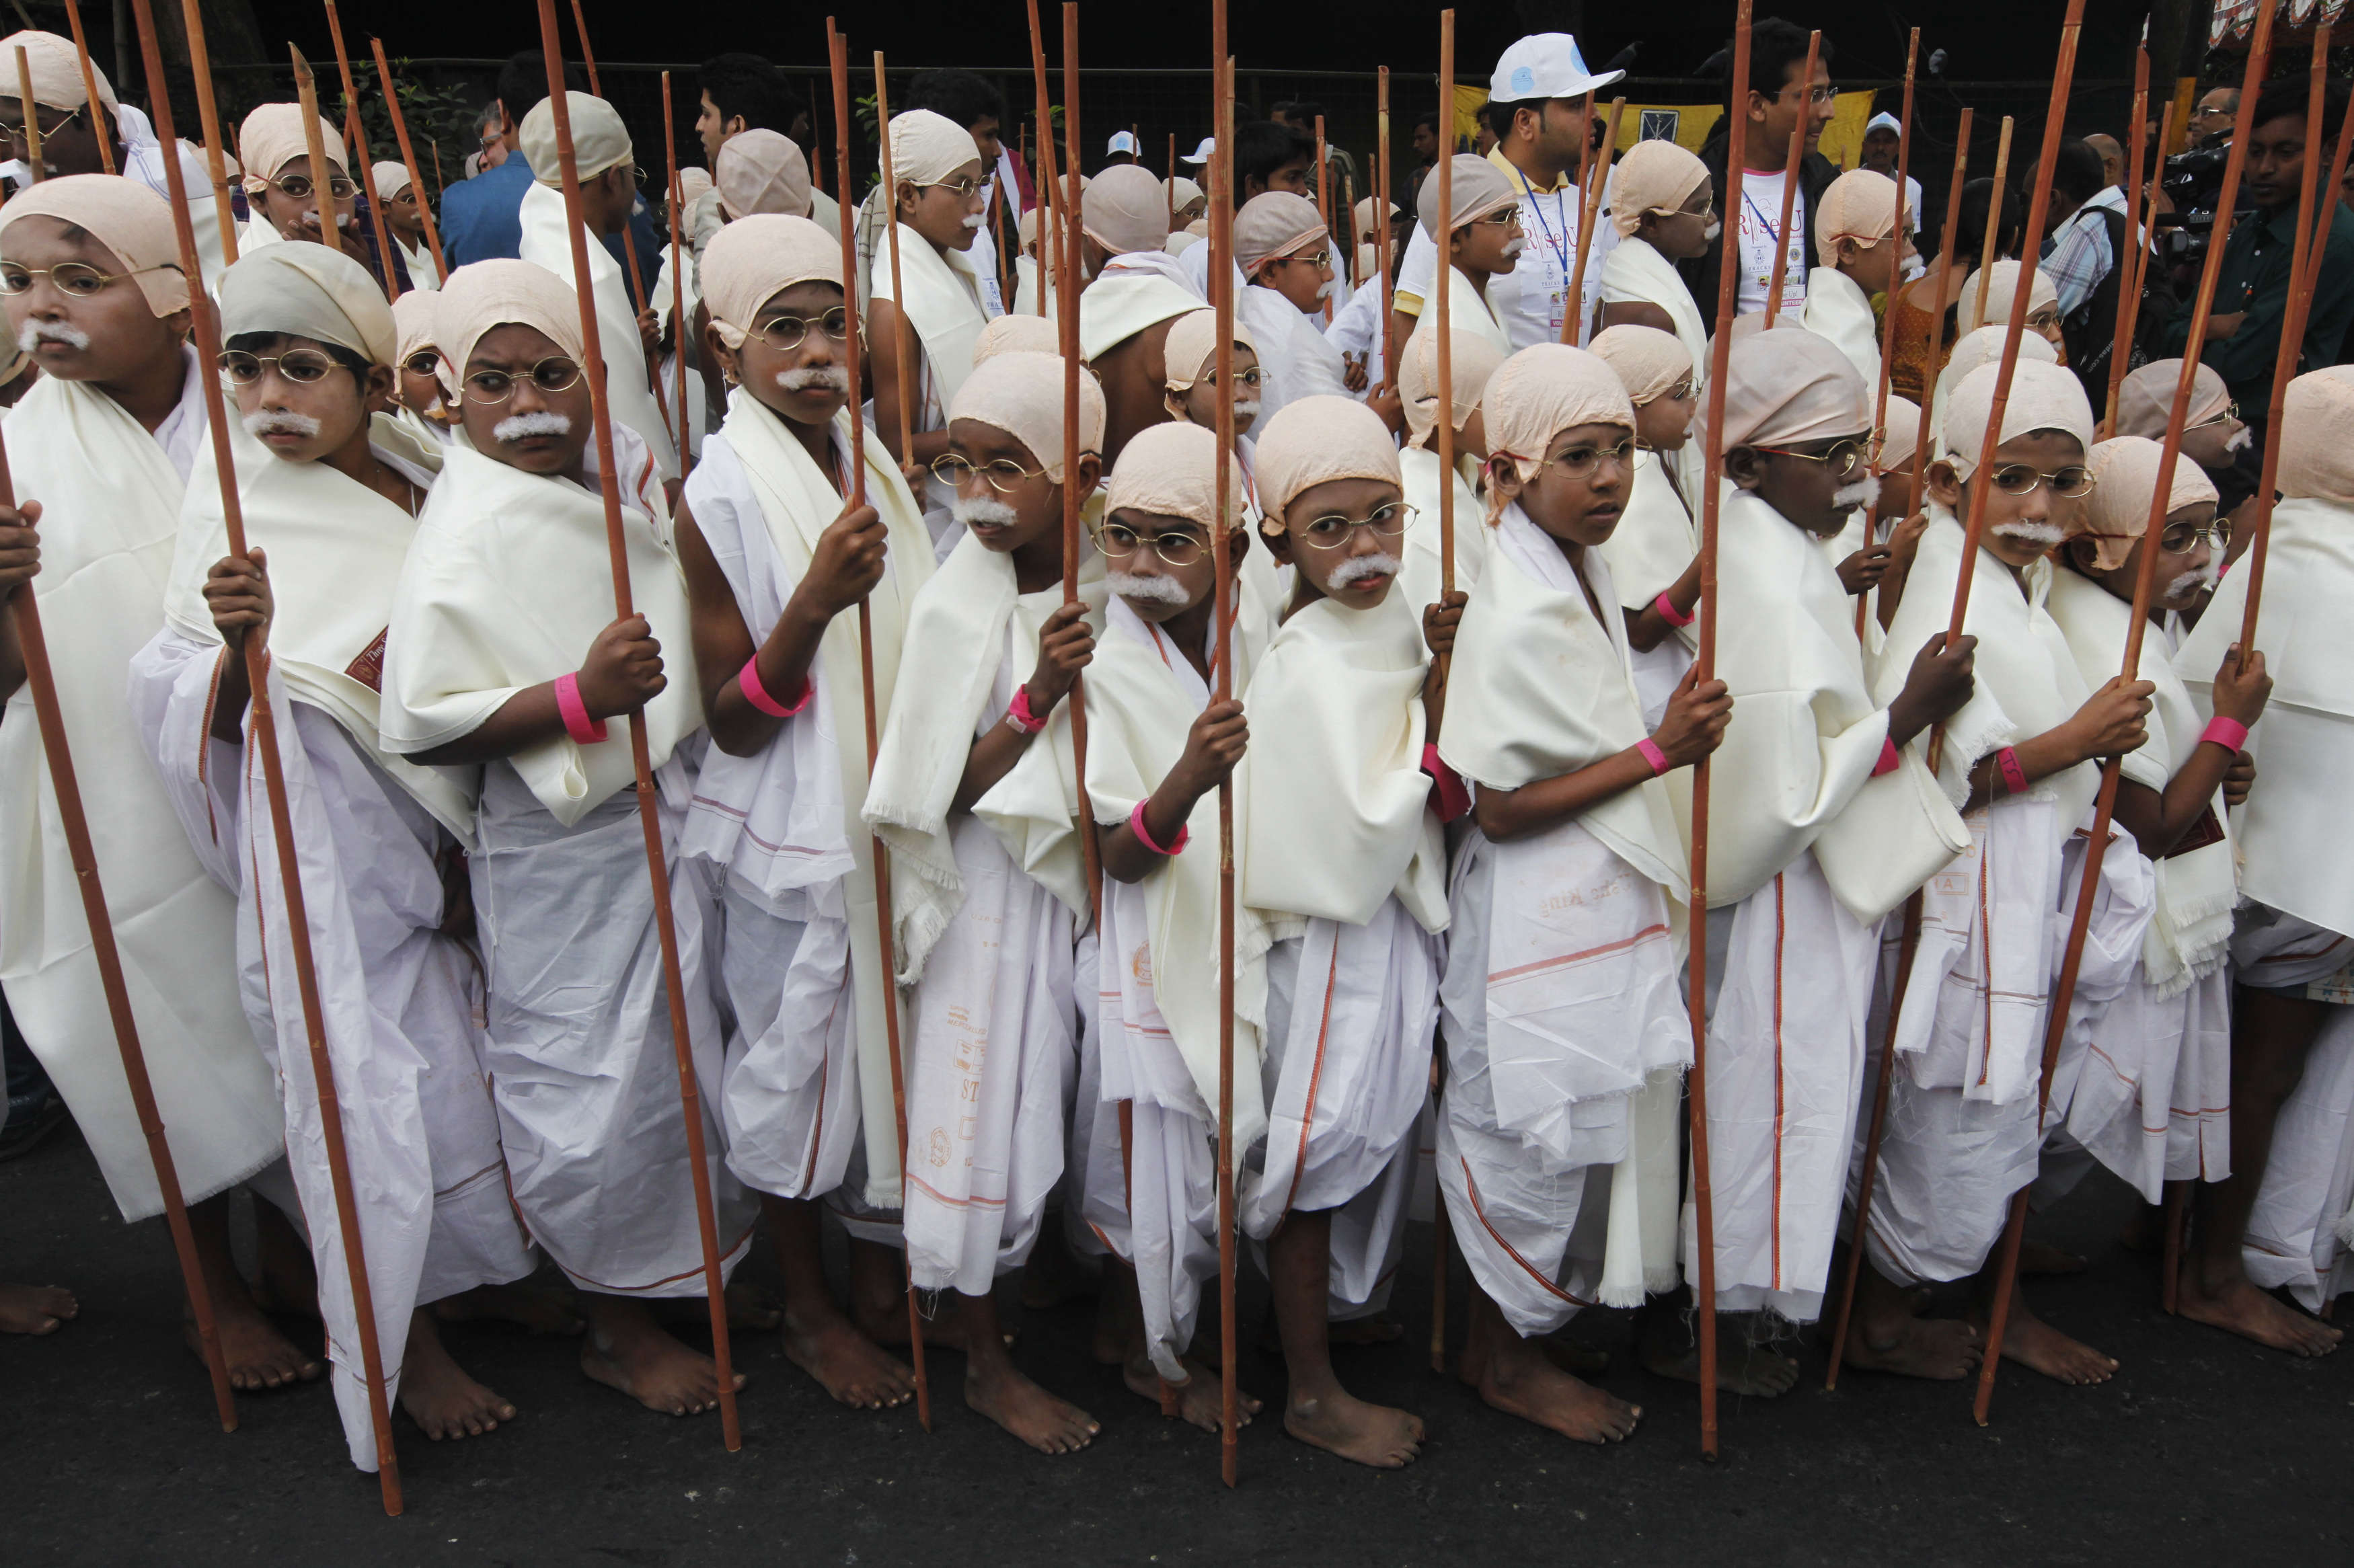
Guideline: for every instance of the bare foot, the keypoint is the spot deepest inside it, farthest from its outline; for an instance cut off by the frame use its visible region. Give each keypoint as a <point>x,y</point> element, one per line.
<point>2032,1342</point>
<point>1339,1423</point>
<point>627,1349</point>
<point>2043,1258</point>
<point>2241,1308</point>
<point>259,1356</point>
<point>845,1362</point>
<point>1534,1389</point>
<point>1201,1400</point>
<point>540,1309</point>
<point>437,1395</point>
<point>1756,1372</point>
<point>992,1387</point>
<point>1943,1348</point>
<point>36,1308</point>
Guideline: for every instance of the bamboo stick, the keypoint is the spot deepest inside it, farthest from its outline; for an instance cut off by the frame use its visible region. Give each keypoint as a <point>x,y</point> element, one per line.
<point>906,374</point>
<point>1324,202</point>
<point>322,196</point>
<point>1995,204</point>
<point>2127,260</point>
<point>264,739</point>
<point>34,173</point>
<point>587,56</point>
<point>657,872</point>
<point>1888,323</point>
<point>1589,213</point>
<point>1222,297</point>
<point>360,151</point>
<point>409,157</point>
<point>1721,348</point>
<point>208,121</point>
<point>1382,236</point>
<point>674,199</point>
<point>1090,848</point>
<point>1443,274</point>
<point>102,128</point>
<point>1797,156</point>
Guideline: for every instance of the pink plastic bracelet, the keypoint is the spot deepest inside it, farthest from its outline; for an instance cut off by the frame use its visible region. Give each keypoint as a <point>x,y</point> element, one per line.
<point>2228,734</point>
<point>1018,713</point>
<point>1669,613</point>
<point>1144,834</point>
<point>1448,795</point>
<point>1652,755</point>
<point>748,681</point>
<point>1889,761</point>
<point>2014,777</point>
<point>576,722</point>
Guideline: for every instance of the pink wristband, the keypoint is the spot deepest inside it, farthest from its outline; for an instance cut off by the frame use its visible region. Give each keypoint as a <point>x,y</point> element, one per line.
<point>1652,755</point>
<point>2228,734</point>
<point>576,722</point>
<point>1018,713</point>
<point>1449,796</point>
<point>2014,777</point>
<point>1669,613</point>
<point>1144,834</point>
<point>748,681</point>
<point>1889,761</point>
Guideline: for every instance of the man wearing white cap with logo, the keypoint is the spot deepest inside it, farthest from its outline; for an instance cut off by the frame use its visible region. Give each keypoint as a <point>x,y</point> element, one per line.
<point>1533,102</point>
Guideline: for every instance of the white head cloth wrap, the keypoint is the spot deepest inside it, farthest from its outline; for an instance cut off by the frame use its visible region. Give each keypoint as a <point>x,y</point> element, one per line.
<point>1022,394</point>
<point>1192,343</point>
<point>1185,193</point>
<point>762,171</point>
<point>1654,176</point>
<point>2042,398</point>
<point>927,148</point>
<point>1648,361</point>
<point>272,138</point>
<point>1274,224</point>
<point>1016,335</point>
<point>1367,215</point>
<point>1544,389</point>
<point>392,179</point>
<point>56,67</point>
<point>1471,361</point>
<point>1984,346</point>
<point>1313,440</point>
<point>312,292</point>
<point>121,215</point>
<point>600,140</point>
<point>1900,437</point>
<point>752,259</point>
<point>1126,208</point>
<point>2004,284</point>
<point>416,323</point>
<point>502,291</point>
<point>692,183</point>
<point>2146,396</point>
<point>1789,387</point>
<point>2124,473</point>
<point>1170,471</point>
<point>2316,457</point>
<point>1479,188</point>
<point>1861,204</point>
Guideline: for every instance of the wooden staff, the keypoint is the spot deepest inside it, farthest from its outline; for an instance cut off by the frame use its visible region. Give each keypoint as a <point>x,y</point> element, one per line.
<point>1888,326</point>
<point>1585,143</point>
<point>1350,269</point>
<point>1324,203</point>
<point>264,731</point>
<point>616,544</point>
<point>1169,184</point>
<point>435,148</point>
<point>360,152</point>
<point>908,374</point>
<point>408,156</point>
<point>1589,213</point>
<point>838,60</point>
<point>1222,297</point>
<point>1050,201</point>
<point>2312,241</point>
<point>676,199</point>
<point>1797,156</point>
<point>2136,239</point>
<point>1090,852</point>
<point>1911,941</point>
<point>587,56</point>
<point>209,120</point>
<point>1443,272</point>
<point>322,199</point>
<point>34,174</point>
<point>103,129</point>
<point>1382,236</point>
<point>629,244</point>
<point>1995,204</point>
<point>1721,348</point>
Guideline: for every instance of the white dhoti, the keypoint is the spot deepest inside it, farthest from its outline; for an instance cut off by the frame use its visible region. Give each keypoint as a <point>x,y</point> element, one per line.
<point>2300,1233</point>
<point>1351,1011</point>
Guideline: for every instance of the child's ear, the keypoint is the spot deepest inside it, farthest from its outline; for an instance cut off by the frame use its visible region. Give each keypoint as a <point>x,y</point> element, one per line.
<point>1504,477</point>
<point>1745,466</point>
<point>1945,486</point>
<point>1278,545</point>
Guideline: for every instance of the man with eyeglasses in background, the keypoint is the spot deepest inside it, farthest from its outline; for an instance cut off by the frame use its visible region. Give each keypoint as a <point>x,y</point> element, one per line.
<point>1776,104</point>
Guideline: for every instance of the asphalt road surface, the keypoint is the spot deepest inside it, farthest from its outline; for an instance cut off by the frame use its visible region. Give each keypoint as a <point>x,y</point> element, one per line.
<point>2203,1448</point>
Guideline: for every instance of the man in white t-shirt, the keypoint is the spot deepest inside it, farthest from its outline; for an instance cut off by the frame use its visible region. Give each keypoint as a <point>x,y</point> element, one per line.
<point>1534,108</point>
<point>1777,102</point>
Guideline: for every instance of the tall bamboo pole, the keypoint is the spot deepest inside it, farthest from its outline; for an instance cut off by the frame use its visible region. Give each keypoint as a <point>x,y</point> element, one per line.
<point>1090,848</point>
<point>2135,242</point>
<point>1382,236</point>
<point>1995,204</point>
<point>1222,272</point>
<point>323,197</point>
<point>657,871</point>
<point>1324,202</point>
<point>208,122</point>
<point>1888,324</point>
<point>1797,156</point>
<point>908,373</point>
<point>103,129</point>
<point>408,156</point>
<point>1589,213</point>
<point>264,739</point>
<point>674,199</point>
<point>360,151</point>
<point>1443,274</point>
<point>34,173</point>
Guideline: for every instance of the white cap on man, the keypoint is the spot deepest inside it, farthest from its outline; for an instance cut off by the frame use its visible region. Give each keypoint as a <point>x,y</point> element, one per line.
<point>1545,65</point>
<point>1123,141</point>
<point>1201,154</point>
<point>1883,121</point>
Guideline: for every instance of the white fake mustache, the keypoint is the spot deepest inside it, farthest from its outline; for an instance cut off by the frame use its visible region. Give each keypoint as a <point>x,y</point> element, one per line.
<point>983,509</point>
<point>2239,438</point>
<point>1246,411</point>
<point>2044,534</point>
<point>1711,231</point>
<point>541,422</point>
<point>1848,497</point>
<point>1149,591</point>
<point>282,422</point>
<point>810,378</point>
<point>1357,568</point>
<point>1328,288</point>
<point>32,334</point>
<point>1512,247</point>
<point>2190,585</point>
<point>973,219</point>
